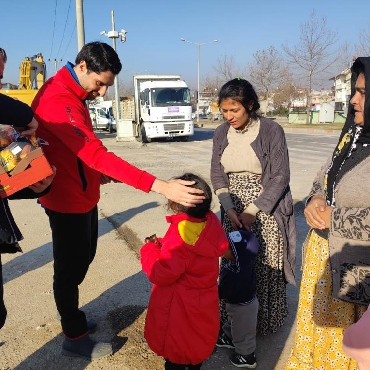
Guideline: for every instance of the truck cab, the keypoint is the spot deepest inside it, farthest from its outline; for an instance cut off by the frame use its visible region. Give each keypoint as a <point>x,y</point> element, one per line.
<point>162,108</point>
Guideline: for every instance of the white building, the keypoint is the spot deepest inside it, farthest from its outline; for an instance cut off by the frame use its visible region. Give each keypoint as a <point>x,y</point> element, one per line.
<point>342,87</point>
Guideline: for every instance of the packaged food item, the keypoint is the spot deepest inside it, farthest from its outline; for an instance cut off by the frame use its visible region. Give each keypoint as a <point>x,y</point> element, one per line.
<point>7,135</point>
<point>11,155</point>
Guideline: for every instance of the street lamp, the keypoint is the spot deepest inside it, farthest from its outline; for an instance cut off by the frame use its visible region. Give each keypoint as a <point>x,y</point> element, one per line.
<point>198,44</point>
<point>115,35</point>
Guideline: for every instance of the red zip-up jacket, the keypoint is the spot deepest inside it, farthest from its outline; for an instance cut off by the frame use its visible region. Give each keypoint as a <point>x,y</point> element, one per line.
<point>183,319</point>
<point>79,156</point>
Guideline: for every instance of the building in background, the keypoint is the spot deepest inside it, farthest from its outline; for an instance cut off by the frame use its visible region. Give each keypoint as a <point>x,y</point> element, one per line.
<point>342,90</point>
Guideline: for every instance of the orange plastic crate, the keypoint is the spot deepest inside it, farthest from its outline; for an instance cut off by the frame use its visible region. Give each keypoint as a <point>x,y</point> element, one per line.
<point>31,169</point>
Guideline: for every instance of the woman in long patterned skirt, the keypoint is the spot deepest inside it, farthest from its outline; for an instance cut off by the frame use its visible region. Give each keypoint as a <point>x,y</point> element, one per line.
<point>334,290</point>
<point>250,175</point>
<point>271,286</point>
<point>322,319</point>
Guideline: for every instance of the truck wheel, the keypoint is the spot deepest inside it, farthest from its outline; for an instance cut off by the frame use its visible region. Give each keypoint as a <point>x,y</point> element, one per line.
<point>184,138</point>
<point>145,139</point>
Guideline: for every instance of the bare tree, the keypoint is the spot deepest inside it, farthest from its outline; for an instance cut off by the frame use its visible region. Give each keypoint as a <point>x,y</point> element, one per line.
<point>346,52</point>
<point>226,68</point>
<point>125,89</point>
<point>363,48</point>
<point>285,95</point>
<point>213,85</point>
<point>313,53</point>
<point>268,72</point>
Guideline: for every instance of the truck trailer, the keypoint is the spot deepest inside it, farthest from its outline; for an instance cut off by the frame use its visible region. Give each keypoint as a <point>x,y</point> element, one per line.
<point>162,108</point>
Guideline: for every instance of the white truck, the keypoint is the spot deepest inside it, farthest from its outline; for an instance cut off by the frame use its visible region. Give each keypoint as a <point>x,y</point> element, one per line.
<point>162,108</point>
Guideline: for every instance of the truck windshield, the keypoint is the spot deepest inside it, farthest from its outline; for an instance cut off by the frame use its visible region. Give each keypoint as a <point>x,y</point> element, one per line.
<point>170,96</point>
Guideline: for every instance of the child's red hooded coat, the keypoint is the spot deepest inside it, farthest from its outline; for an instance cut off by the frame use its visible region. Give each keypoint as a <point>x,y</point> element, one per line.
<point>182,322</point>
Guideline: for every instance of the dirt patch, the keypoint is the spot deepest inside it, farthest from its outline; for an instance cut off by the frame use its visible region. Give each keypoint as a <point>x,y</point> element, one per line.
<point>129,345</point>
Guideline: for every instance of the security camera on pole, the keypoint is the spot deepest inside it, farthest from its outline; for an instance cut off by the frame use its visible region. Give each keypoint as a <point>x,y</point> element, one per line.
<point>124,129</point>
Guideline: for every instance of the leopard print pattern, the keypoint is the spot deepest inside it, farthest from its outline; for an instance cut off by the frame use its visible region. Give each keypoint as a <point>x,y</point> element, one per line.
<point>271,285</point>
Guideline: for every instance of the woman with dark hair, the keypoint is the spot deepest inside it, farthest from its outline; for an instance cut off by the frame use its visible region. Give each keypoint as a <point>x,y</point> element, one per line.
<point>334,289</point>
<point>183,320</point>
<point>250,175</point>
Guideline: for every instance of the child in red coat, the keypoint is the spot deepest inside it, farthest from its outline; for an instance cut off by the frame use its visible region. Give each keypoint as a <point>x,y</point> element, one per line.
<point>182,321</point>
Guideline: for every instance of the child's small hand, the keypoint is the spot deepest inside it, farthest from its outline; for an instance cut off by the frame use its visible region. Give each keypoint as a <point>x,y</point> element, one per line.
<point>152,239</point>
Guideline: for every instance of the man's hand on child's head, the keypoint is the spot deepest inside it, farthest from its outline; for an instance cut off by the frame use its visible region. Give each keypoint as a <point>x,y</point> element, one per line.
<point>179,191</point>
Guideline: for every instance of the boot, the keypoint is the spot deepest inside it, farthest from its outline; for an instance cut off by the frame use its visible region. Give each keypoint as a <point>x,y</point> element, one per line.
<point>86,347</point>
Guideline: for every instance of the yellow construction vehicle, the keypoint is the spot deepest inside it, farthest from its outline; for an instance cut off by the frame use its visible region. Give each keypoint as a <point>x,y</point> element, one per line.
<point>32,75</point>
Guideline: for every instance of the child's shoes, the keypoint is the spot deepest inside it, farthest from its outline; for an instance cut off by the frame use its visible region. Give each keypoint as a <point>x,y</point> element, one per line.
<point>239,360</point>
<point>224,341</point>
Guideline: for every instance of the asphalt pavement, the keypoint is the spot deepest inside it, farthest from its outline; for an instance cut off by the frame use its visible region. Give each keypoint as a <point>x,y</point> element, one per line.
<point>31,338</point>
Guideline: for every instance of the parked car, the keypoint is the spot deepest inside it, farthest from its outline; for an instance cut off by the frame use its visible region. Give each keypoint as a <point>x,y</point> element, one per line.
<point>102,120</point>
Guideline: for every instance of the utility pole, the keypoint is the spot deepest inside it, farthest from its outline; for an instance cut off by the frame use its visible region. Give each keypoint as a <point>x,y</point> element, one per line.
<point>80,24</point>
<point>113,34</point>
<point>55,61</point>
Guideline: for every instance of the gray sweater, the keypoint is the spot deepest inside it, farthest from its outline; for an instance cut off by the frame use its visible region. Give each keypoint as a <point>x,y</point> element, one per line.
<point>276,199</point>
<point>349,233</point>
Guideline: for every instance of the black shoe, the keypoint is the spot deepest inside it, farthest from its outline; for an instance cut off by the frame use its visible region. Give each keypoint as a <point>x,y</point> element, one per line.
<point>86,347</point>
<point>224,341</point>
<point>248,361</point>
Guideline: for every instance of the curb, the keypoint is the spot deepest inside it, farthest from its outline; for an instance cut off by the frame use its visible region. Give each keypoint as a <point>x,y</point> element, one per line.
<point>310,130</point>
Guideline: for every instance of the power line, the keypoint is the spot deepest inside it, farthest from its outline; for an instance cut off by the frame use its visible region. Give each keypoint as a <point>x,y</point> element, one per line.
<point>70,39</point>
<point>64,30</point>
<point>55,17</point>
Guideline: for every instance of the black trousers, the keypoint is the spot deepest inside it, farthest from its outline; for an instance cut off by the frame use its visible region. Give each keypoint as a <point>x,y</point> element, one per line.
<point>75,237</point>
<point>168,365</point>
<point>2,305</point>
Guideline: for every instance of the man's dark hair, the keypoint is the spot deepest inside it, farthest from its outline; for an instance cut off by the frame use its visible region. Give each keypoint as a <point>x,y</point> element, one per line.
<point>201,209</point>
<point>99,57</point>
<point>241,91</point>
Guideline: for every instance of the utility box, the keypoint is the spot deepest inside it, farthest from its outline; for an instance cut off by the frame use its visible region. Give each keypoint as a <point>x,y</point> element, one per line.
<point>125,130</point>
<point>326,114</point>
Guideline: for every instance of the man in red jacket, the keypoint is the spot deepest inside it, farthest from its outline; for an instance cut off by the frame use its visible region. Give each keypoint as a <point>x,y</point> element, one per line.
<point>83,164</point>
